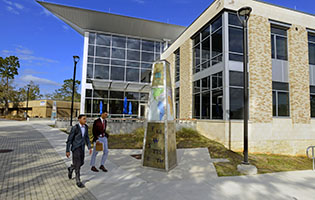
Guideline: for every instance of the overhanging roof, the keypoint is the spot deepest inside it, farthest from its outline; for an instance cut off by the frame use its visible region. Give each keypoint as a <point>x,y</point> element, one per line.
<point>100,84</point>
<point>84,20</point>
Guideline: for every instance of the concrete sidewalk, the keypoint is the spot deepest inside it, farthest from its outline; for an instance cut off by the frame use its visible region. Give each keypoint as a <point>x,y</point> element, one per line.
<point>194,178</point>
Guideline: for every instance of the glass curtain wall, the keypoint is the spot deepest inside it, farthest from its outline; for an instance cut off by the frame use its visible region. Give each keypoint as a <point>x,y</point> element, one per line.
<point>177,78</point>
<point>121,58</point>
<point>235,38</point>
<point>208,46</point>
<point>113,102</point>
<point>207,97</point>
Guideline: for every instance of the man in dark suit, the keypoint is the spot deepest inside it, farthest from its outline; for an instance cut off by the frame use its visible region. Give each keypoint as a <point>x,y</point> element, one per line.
<point>100,135</point>
<point>77,139</point>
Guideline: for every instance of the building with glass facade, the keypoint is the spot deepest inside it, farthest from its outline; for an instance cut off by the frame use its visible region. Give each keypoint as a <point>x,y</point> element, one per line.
<point>117,58</point>
<point>207,71</point>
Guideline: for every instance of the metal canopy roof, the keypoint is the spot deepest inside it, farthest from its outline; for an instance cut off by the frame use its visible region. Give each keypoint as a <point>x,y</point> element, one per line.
<point>99,84</point>
<point>84,20</point>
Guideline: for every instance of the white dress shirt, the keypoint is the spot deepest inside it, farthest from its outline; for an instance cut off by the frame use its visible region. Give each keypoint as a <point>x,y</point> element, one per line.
<point>82,129</point>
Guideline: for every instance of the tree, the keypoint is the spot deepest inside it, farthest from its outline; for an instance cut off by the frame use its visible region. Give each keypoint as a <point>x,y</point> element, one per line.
<point>34,92</point>
<point>8,70</point>
<point>65,92</point>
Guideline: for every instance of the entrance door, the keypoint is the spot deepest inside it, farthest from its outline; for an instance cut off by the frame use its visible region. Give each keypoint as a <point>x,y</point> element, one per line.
<point>142,112</point>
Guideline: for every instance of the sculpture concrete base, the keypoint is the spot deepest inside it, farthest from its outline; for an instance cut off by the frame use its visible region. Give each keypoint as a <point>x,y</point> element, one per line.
<point>247,169</point>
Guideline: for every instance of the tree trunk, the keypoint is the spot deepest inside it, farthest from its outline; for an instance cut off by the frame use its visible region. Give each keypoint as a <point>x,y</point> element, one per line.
<point>6,103</point>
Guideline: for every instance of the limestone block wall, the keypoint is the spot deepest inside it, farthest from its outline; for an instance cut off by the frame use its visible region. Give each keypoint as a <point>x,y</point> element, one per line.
<point>185,92</point>
<point>299,75</point>
<point>260,70</point>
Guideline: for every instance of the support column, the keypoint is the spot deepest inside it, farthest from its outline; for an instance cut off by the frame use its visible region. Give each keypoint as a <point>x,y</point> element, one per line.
<point>299,75</point>
<point>185,91</point>
<point>260,70</point>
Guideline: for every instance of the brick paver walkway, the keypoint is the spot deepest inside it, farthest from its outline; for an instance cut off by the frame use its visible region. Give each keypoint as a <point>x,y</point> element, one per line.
<point>33,170</point>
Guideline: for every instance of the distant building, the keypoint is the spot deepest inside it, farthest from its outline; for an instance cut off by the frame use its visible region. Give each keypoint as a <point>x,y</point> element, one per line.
<point>42,108</point>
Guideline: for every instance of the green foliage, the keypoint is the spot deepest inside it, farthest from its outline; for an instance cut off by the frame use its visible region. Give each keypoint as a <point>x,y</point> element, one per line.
<point>65,92</point>
<point>189,138</point>
<point>8,70</point>
<point>9,67</point>
<point>34,92</point>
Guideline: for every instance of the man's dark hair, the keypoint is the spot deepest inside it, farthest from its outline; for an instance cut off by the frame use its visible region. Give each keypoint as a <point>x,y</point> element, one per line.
<point>81,115</point>
<point>104,111</point>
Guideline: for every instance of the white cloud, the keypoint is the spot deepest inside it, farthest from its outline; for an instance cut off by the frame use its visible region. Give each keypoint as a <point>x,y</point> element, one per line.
<point>19,6</point>
<point>139,1</point>
<point>38,80</point>
<point>12,10</point>
<point>13,7</point>
<point>65,27</point>
<point>8,2</point>
<point>27,55</point>
<point>46,12</point>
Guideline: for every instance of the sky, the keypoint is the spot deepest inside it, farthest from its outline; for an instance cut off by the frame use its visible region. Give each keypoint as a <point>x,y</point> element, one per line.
<point>45,45</point>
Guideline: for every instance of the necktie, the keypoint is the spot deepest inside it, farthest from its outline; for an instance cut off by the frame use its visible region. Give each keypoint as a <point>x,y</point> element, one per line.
<point>103,128</point>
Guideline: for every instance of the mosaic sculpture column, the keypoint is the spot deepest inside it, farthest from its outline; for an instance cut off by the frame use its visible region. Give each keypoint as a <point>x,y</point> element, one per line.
<point>159,146</point>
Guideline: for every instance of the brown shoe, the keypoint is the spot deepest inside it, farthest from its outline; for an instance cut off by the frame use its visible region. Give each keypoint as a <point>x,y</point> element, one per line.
<point>103,168</point>
<point>94,169</point>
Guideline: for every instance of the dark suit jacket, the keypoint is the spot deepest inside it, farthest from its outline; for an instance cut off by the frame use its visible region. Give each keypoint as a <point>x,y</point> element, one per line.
<point>98,129</point>
<point>76,140</point>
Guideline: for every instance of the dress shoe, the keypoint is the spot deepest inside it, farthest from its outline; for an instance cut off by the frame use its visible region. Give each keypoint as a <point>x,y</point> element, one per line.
<point>94,169</point>
<point>103,168</point>
<point>80,184</point>
<point>70,170</point>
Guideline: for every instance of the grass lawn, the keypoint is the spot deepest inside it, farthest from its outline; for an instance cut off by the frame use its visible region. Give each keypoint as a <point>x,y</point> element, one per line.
<point>187,138</point>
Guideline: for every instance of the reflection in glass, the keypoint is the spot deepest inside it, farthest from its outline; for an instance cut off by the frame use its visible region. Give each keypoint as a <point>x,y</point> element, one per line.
<point>133,55</point>
<point>118,41</point>
<point>103,40</point>
<point>147,45</point>
<point>117,73</point>
<point>102,51</point>
<point>133,43</point>
<point>132,74</point>
<point>118,53</point>
<point>101,72</point>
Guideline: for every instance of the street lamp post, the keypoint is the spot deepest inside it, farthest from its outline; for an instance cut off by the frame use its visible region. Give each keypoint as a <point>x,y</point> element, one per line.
<point>243,15</point>
<point>76,60</point>
<point>27,95</point>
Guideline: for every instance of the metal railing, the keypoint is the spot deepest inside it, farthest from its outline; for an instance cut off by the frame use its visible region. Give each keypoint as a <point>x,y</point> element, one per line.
<point>313,155</point>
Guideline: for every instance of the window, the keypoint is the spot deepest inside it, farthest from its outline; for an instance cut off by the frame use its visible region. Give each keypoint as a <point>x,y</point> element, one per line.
<point>235,38</point>
<point>207,96</point>
<point>312,91</point>
<point>132,74</point>
<point>112,100</point>
<point>279,43</point>
<point>118,41</point>
<point>133,43</point>
<point>236,95</point>
<point>117,73</point>
<point>311,48</point>
<point>92,38</point>
<point>147,45</point>
<point>177,65</point>
<point>280,99</point>
<point>177,101</point>
<point>102,52</point>
<point>208,46</point>
<point>101,72</point>
<point>121,58</point>
<point>103,40</point>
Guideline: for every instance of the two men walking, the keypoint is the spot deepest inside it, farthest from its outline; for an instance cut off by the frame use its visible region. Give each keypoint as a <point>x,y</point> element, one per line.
<point>79,137</point>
